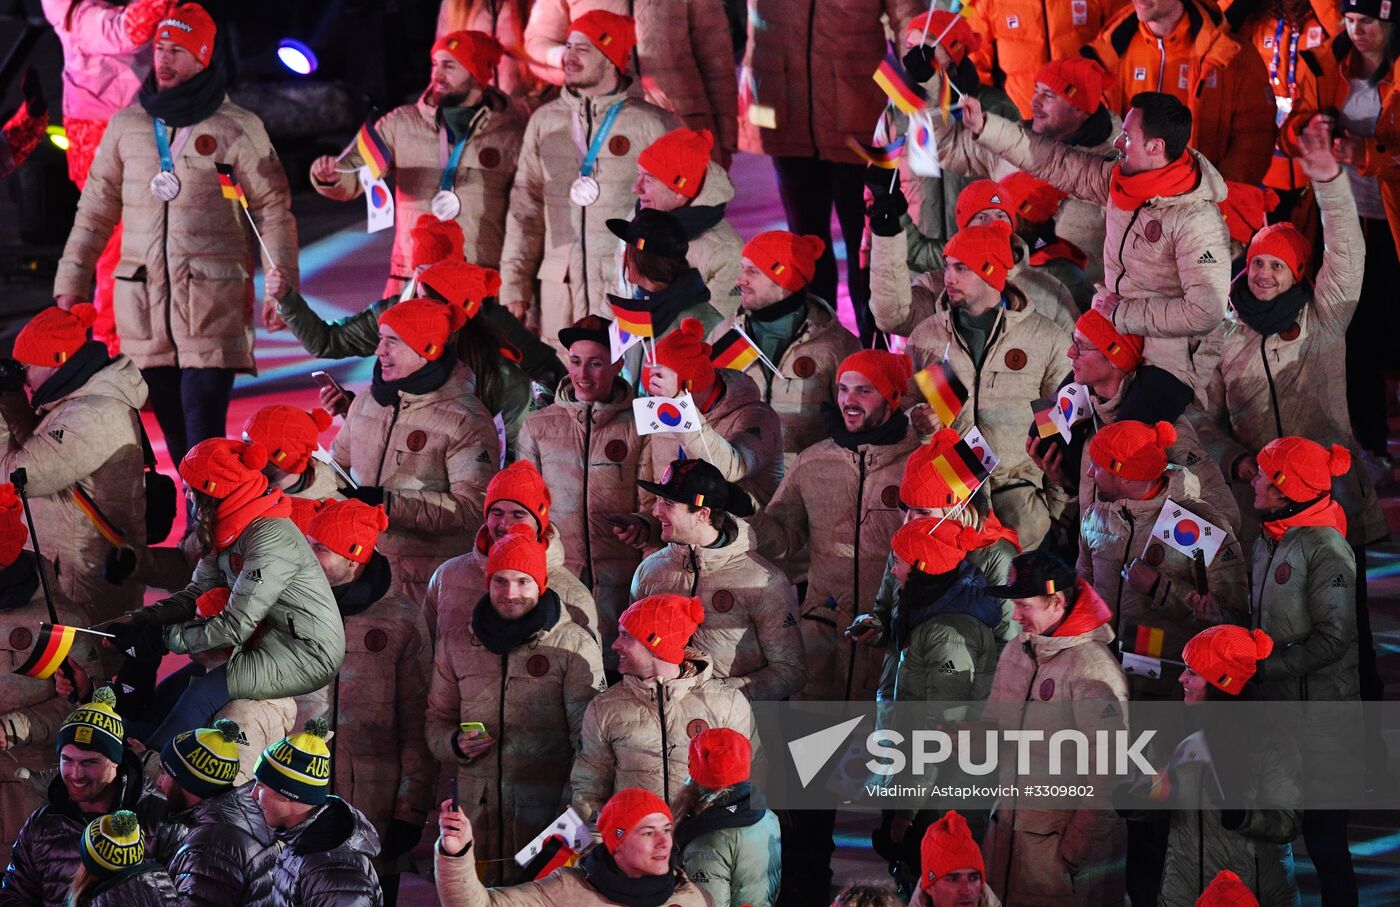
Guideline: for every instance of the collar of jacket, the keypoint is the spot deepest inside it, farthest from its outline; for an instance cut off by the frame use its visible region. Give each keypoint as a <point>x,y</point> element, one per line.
<point>130,783</point>
<point>627,87</point>
<point>71,376</point>
<point>1093,132</point>
<point>729,811</point>
<point>232,809</point>
<point>742,545</point>
<point>459,380</point>
<point>887,441</point>
<point>1181,486</point>
<point>125,875</point>
<point>603,410</point>
<point>1211,43</point>
<point>493,102</point>
<point>669,304</point>
<point>695,670</point>
<point>326,828</point>
<point>1013,297</point>
<point>820,320</point>
<point>1043,648</point>
<point>358,596</point>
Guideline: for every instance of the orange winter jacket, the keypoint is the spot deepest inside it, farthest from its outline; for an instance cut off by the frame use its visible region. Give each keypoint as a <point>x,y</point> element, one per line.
<point>1222,80</point>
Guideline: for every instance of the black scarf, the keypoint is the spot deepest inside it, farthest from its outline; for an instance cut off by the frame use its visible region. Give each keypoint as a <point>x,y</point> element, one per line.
<point>356,596</point>
<point>1268,318</point>
<point>920,590</point>
<point>503,636</point>
<point>1093,132</point>
<point>696,219</point>
<point>667,304</point>
<point>892,432</point>
<point>90,359</point>
<point>187,103</point>
<point>427,379</point>
<point>730,811</point>
<point>18,582</point>
<point>780,309</point>
<point>613,884</point>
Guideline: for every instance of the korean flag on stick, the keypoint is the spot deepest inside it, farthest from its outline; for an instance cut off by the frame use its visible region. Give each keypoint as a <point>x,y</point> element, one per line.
<point>379,202</point>
<point>666,414</point>
<point>981,449</point>
<point>1182,530</point>
<point>1075,404</point>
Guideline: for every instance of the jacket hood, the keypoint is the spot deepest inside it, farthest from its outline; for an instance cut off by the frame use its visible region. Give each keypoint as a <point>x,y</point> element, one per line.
<point>695,671</point>
<point>1210,189</point>
<point>717,189</point>
<point>121,380</point>
<point>1016,300</point>
<point>553,552</point>
<point>967,595</point>
<point>233,808</point>
<point>743,545</point>
<point>1089,613</point>
<point>333,826</point>
<point>628,87</point>
<point>493,102</point>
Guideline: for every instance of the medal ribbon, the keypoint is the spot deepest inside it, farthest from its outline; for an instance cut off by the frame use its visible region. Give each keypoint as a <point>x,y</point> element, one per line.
<point>590,159</point>
<point>448,161</point>
<point>167,154</point>
<point>1292,75</point>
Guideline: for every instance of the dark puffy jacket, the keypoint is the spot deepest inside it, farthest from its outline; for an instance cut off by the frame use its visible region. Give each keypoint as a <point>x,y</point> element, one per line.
<point>45,855</point>
<point>227,855</point>
<point>146,885</point>
<point>325,861</point>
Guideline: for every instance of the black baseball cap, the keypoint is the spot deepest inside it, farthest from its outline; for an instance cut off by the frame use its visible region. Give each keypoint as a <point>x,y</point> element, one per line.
<point>1036,573</point>
<point>652,231</point>
<point>589,327</point>
<point>700,484</point>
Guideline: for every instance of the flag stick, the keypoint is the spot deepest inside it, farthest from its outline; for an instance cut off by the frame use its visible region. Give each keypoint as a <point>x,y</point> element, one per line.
<point>19,478</point>
<point>335,467</point>
<point>762,358</point>
<point>257,235</point>
<point>95,632</point>
<point>958,509</point>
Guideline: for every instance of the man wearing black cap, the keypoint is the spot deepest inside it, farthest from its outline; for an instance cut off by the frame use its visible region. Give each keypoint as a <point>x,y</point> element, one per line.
<point>750,629</point>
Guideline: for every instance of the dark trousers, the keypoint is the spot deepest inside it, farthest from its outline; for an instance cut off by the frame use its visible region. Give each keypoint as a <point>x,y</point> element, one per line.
<point>191,405</point>
<point>196,706</point>
<point>1369,346</point>
<point>809,187</point>
<point>1146,857</point>
<point>808,845</point>
<point>1325,833</point>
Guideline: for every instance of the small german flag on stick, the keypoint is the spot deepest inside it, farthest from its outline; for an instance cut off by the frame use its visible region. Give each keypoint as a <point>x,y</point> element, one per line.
<point>233,191</point>
<point>737,350</point>
<point>943,391</point>
<point>886,158</point>
<point>961,468</point>
<point>53,645</point>
<point>899,86</point>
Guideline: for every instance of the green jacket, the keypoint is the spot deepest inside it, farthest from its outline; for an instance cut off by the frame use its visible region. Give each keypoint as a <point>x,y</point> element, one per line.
<point>736,866</point>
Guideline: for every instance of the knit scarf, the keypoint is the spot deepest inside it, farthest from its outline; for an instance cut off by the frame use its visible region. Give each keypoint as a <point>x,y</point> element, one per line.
<point>253,501</point>
<point>189,102</point>
<point>1093,132</point>
<point>503,636</point>
<point>667,303</point>
<point>648,891</point>
<point>427,379</point>
<point>18,582</point>
<point>1057,250</point>
<point>90,359</point>
<point>696,219</point>
<point>785,306</point>
<point>356,596</point>
<point>1277,314</point>
<point>993,531</point>
<point>1129,192</point>
<point>891,432</point>
<point>1321,512</point>
<point>730,811</point>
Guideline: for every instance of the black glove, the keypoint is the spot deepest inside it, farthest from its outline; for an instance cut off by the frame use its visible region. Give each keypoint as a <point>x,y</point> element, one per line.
<point>146,639</point>
<point>33,92</point>
<point>11,376</point>
<point>401,837</point>
<point>889,204</point>
<point>919,63</point>
<point>120,564</point>
<point>372,495</point>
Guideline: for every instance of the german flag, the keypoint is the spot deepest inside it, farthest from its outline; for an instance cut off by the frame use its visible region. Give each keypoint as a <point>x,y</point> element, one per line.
<point>899,86</point>
<point>961,469</point>
<point>1045,425</point>
<point>1147,640</point>
<point>372,150</point>
<point>733,350</point>
<point>886,158</point>
<point>943,391</point>
<point>229,185</point>
<point>53,645</point>
<point>636,322</point>
<point>105,527</point>
<point>555,854</point>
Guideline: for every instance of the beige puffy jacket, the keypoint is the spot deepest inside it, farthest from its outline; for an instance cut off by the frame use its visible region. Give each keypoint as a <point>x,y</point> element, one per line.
<point>433,454</point>
<point>1169,259</point>
<point>637,732</point>
<point>717,252</point>
<point>458,885</point>
<point>481,182</point>
<point>532,703</point>
<point>184,287</point>
<point>842,506</point>
<point>683,56</point>
<point>89,439</point>
<point>808,378</point>
<point>263,722</point>
<point>811,64</point>
<point>568,249</point>
<point>750,630</point>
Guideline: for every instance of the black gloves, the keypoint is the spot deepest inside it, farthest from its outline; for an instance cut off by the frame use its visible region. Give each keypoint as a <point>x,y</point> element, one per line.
<point>372,495</point>
<point>918,62</point>
<point>889,205</point>
<point>146,638</point>
<point>11,376</point>
<point>120,564</point>
<point>400,837</point>
<point>34,100</point>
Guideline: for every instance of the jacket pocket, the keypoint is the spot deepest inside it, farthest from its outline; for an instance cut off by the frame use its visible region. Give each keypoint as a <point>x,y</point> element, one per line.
<point>217,300</point>
<point>131,306</point>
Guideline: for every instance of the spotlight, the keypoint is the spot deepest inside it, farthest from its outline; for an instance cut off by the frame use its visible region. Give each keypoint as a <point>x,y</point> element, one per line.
<point>58,136</point>
<point>296,56</point>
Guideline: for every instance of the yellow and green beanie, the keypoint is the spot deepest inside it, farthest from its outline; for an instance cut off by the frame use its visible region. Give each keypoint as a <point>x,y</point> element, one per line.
<point>299,767</point>
<point>113,844</point>
<point>204,761</point>
<point>95,726</point>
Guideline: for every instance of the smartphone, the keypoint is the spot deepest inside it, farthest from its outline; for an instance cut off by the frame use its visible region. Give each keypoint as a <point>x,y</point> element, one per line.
<point>453,794</point>
<point>862,622</point>
<point>469,726</point>
<point>1199,574</point>
<point>326,381</point>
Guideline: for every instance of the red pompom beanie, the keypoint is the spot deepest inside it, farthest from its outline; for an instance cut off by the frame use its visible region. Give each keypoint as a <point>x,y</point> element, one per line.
<point>1123,350</point>
<point>289,434</point>
<point>664,623</point>
<point>1133,450</point>
<point>686,353</point>
<point>477,51</point>
<point>435,240</point>
<point>679,159</point>
<point>948,847</point>
<point>719,758</point>
<point>614,35</point>
<point>1244,209</point>
<point>53,336</point>
<point>213,602</point>
<point>1227,890</point>
<point>13,533</point>
<point>1078,80</point>
<point>219,467</point>
<point>787,259</point>
<point>522,483</point>
<point>1227,656</point>
<point>1283,241</point>
<point>889,372</point>
<point>934,546</point>
<point>521,550</point>
<point>350,528</point>
<point>1036,200</point>
<point>303,509</point>
<point>462,284</point>
<point>923,486</point>
<point>1303,469</point>
<point>624,810</point>
<point>190,27</point>
<point>986,250</point>
<point>960,40</point>
<point>424,324</point>
<point>979,195</point>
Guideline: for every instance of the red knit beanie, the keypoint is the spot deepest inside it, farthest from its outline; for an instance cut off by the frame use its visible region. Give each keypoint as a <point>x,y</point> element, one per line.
<point>612,34</point>
<point>53,336</point>
<point>1078,80</point>
<point>624,810</point>
<point>789,260</point>
<point>719,758</point>
<point>1036,200</point>
<point>948,847</point>
<point>1244,209</point>
<point>350,528</point>
<point>665,623</point>
<point>979,195</point>
<point>1123,350</point>
<point>462,284</point>
<point>1282,241</point>
<point>1133,450</point>
<point>12,529</point>
<point>436,240</point>
<point>923,485</point>
<point>686,353</point>
<point>520,549</point>
<point>219,467</point>
<point>986,250</point>
<point>289,434</point>
<point>522,483</point>
<point>190,27</point>
<point>679,159</point>
<point>213,602</point>
<point>477,51</point>
<point>960,40</point>
<point>889,372</point>
<point>1227,656</point>
<point>934,546</point>
<point>303,509</point>
<point>425,325</point>
<point>1302,469</point>
<point>1227,890</point>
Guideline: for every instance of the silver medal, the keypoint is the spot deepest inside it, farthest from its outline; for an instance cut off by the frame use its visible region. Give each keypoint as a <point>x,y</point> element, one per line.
<point>165,186</point>
<point>446,205</point>
<point>584,191</point>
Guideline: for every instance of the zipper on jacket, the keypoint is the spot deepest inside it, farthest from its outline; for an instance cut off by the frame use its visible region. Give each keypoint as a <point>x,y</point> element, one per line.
<point>583,210</point>
<point>1273,391</point>
<point>388,439</point>
<point>811,91</point>
<point>1122,244</point>
<point>665,749</point>
<point>1011,833</point>
<point>587,525</point>
<point>169,287</point>
<point>986,354</point>
<point>1118,604</point>
<point>500,762</point>
<point>855,568</point>
<point>694,565</point>
<point>1162,66</point>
